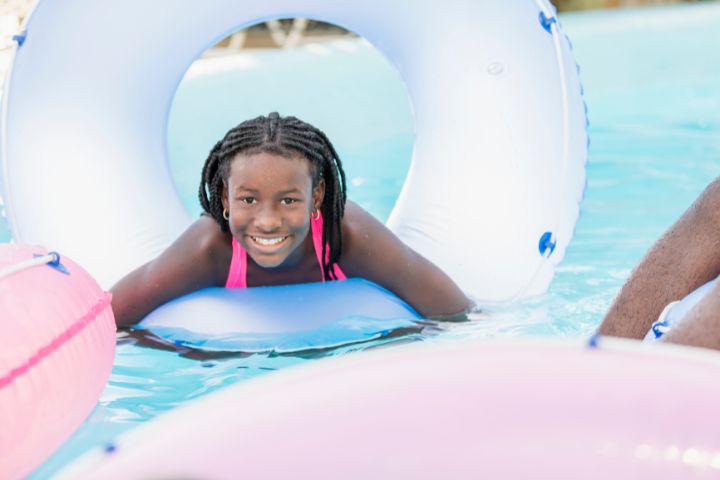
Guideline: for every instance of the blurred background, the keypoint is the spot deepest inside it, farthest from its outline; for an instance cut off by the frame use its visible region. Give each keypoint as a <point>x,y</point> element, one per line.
<point>276,33</point>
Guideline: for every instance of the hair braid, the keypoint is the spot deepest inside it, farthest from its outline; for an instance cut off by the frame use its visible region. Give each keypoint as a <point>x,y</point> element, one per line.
<point>286,136</point>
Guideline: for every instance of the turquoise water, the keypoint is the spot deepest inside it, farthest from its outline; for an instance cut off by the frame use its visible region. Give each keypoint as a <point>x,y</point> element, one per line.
<point>652,84</point>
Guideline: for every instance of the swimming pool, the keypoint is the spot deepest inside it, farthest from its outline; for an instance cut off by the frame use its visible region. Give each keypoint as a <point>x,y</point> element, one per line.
<point>651,79</point>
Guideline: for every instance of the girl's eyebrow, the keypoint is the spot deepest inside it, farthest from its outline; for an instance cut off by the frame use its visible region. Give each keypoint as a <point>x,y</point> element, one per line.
<point>247,189</point>
<point>282,192</point>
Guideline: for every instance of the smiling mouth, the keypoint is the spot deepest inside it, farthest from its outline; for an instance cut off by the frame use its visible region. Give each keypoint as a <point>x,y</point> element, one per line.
<point>268,241</point>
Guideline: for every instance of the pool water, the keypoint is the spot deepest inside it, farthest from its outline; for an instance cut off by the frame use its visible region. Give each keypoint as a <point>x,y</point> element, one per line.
<point>652,84</point>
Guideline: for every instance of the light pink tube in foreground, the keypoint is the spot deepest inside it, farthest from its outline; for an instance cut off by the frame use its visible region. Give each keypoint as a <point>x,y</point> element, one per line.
<point>453,410</point>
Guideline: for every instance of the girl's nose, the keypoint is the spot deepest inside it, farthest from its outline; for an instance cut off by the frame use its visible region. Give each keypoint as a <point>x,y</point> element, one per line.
<point>268,219</point>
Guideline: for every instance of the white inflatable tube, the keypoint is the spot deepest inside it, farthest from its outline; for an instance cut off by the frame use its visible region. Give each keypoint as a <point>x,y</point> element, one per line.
<point>498,164</point>
<point>456,410</point>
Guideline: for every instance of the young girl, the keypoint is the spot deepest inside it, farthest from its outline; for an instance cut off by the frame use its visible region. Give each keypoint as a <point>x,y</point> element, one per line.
<point>273,191</point>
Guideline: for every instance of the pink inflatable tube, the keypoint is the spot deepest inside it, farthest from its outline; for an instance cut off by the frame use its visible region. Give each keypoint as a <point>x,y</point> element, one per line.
<point>462,410</point>
<point>57,345</point>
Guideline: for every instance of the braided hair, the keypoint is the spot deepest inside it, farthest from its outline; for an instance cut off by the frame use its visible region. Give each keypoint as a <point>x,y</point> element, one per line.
<point>288,137</point>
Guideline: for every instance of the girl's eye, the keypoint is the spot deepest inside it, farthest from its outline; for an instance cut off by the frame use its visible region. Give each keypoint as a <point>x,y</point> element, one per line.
<point>248,200</point>
<point>288,201</point>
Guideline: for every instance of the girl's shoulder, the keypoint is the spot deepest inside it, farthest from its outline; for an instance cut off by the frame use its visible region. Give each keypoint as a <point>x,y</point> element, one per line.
<point>204,239</point>
<point>202,252</point>
<point>356,219</point>
<point>366,241</point>
<point>353,217</point>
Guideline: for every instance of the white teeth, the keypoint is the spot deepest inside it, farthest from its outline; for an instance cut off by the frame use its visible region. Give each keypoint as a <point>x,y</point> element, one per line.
<point>268,241</point>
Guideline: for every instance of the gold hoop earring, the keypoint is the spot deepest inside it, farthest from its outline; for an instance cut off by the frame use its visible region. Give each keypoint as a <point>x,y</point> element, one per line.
<point>226,215</point>
<point>315,215</point>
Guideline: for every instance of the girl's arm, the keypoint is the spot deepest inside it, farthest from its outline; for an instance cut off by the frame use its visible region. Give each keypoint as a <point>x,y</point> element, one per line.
<point>199,258</point>
<point>685,257</point>
<point>373,252</point>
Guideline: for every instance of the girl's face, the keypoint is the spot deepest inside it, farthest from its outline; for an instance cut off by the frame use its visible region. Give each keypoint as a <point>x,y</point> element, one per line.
<point>269,199</point>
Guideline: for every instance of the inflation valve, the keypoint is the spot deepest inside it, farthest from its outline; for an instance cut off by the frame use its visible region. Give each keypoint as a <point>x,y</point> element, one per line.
<point>547,243</point>
<point>546,21</point>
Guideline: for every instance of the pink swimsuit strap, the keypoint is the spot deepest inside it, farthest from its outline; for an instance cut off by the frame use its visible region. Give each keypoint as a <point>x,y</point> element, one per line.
<point>237,276</point>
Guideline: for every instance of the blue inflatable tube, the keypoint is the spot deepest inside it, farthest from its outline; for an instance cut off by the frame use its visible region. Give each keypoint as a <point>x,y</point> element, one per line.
<point>283,319</point>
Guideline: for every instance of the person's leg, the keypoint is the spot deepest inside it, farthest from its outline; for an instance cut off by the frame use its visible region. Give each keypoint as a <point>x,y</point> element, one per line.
<point>685,257</point>
<point>701,325</point>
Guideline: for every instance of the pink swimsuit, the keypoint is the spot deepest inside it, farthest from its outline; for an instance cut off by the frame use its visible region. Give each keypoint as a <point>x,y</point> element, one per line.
<point>237,276</point>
